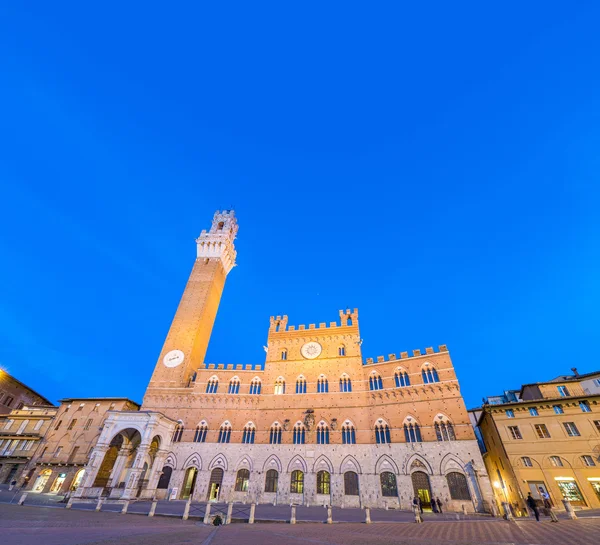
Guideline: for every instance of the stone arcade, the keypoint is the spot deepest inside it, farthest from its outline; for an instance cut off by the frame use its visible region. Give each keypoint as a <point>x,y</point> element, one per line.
<point>314,425</point>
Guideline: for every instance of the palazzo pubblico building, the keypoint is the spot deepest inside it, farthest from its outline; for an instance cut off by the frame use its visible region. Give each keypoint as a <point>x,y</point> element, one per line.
<point>315,424</point>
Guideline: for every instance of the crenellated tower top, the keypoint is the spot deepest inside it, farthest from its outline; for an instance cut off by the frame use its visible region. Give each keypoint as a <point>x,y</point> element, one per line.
<point>218,242</point>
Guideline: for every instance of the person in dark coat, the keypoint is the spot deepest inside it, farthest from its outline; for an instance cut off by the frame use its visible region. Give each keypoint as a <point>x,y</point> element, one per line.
<point>420,505</point>
<point>434,506</point>
<point>439,505</point>
<point>533,506</point>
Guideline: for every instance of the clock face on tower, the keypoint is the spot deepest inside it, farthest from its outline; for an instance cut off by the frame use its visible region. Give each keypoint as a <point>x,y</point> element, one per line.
<point>173,358</point>
<point>311,350</point>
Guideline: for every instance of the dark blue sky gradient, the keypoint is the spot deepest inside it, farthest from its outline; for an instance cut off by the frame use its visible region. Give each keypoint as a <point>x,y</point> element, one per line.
<point>434,165</point>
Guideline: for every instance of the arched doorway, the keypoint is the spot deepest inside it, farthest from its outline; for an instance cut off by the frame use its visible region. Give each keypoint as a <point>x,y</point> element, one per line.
<point>41,481</point>
<point>214,484</point>
<point>422,488</point>
<point>58,482</point>
<point>118,459</point>
<point>165,478</point>
<point>189,483</point>
<point>77,479</point>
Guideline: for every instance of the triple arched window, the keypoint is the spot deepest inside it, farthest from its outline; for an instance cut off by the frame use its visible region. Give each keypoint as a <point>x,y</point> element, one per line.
<point>279,386</point>
<point>248,433</point>
<point>345,383</point>
<point>412,432</point>
<point>255,386</point>
<point>444,431</point>
<point>275,434</point>
<point>300,385</point>
<point>348,433</point>
<point>382,433</point>
<point>322,385</point>
<point>234,386</point>
<point>224,433</point>
<point>178,433</point>
<point>322,434</point>
<point>402,379</point>
<point>375,382</point>
<point>212,385</point>
<point>200,433</point>
<point>299,435</point>
<point>429,374</point>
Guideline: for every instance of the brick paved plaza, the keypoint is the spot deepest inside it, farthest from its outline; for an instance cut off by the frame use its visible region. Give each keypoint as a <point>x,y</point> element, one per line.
<point>30,525</point>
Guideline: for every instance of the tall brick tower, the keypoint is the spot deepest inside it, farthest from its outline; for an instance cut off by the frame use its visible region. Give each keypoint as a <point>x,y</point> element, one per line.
<point>185,346</point>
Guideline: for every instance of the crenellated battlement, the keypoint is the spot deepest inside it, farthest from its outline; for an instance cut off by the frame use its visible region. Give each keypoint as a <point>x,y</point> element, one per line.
<point>404,355</point>
<point>279,324</point>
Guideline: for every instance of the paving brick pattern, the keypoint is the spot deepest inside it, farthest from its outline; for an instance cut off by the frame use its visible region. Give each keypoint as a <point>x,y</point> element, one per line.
<point>47,526</point>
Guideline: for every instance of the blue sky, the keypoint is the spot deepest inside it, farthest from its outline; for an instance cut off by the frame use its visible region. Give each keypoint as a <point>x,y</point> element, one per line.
<point>435,166</point>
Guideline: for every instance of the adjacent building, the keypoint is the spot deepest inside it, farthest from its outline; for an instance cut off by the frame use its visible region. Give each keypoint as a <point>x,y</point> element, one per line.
<point>545,437</point>
<point>58,464</point>
<point>21,432</point>
<point>15,395</point>
<point>314,424</point>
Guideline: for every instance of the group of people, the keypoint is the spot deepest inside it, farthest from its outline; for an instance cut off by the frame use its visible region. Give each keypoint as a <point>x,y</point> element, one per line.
<point>532,504</point>
<point>436,507</point>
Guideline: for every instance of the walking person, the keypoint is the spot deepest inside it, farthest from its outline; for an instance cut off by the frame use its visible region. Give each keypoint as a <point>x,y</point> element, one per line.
<point>439,505</point>
<point>533,506</point>
<point>416,510</point>
<point>420,505</point>
<point>434,505</point>
<point>548,505</point>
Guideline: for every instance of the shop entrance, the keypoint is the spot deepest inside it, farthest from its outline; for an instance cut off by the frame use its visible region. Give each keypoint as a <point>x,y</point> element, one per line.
<point>422,488</point>
<point>40,482</point>
<point>57,484</point>
<point>214,485</point>
<point>570,491</point>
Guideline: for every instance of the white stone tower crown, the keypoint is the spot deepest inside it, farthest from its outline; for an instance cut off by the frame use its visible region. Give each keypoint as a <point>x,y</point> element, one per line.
<point>218,242</point>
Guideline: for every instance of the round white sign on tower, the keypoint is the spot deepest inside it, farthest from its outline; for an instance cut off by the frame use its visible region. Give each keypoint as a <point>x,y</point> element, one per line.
<point>173,358</point>
<point>311,350</point>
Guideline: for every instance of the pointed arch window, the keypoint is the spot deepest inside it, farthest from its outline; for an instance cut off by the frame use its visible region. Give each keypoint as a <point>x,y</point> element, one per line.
<point>348,434</point>
<point>200,433</point>
<point>322,385</point>
<point>248,433</point>
<point>255,386</point>
<point>271,480</point>
<point>297,482</point>
<point>444,431</point>
<point>375,382</point>
<point>345,383</point>
<point>224,433</point>
<point>279,386</point>
<point>284,354</point>
<point>402,379</point>
<point>299,435</point>
<point>412,432</point>
<point>323,482</point>
<point>275,434</point>
<point>212,385</point>
<point>177,434</point>
<point>429,374</point>
<point>241,480</point>
<point>341,350</point>
<point>389,488</point>
<point>300,385</point>
<point>234,386</point>
<point>382,433</point>
<point>322,434</point>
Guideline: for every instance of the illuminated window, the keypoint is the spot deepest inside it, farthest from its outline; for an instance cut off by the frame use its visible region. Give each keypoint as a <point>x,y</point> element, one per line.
<point>297,482</point>
<point>241,480</point>
<point>279,386</point>
<point>323,482</point>
<point>542,431</point>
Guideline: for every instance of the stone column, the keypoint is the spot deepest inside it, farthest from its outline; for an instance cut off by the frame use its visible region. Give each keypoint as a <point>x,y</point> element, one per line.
<point>115,474</point>
<point>135,472</point>
<point>91,470</point>
<point>154,474</point>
